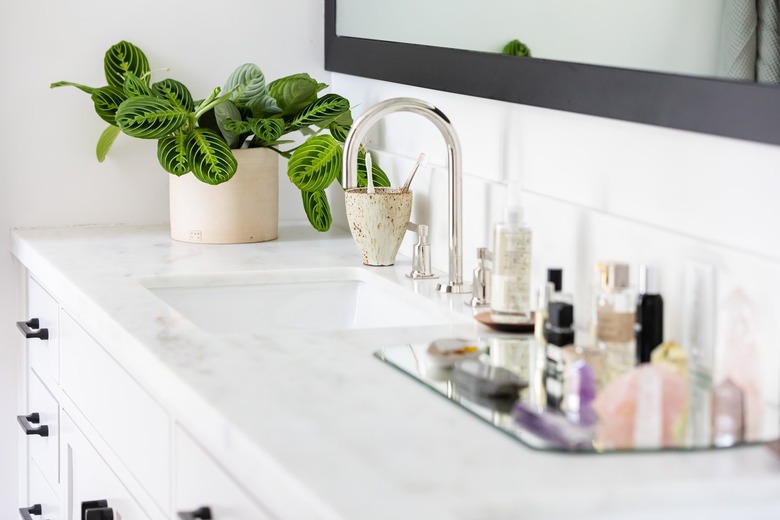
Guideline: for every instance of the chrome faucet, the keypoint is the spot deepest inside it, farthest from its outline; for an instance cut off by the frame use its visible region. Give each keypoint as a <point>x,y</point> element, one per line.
<point>350,175</point>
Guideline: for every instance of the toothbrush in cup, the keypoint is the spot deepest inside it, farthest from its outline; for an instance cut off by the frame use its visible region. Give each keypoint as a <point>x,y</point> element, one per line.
<point>422,159</point>
<point>369,174</point>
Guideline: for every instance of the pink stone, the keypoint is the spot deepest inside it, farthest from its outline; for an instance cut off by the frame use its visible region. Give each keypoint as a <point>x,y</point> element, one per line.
<point>664,395</point>
<point>728,414</point>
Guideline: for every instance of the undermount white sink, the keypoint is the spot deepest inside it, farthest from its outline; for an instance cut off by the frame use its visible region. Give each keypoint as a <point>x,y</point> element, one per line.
<point>295,300</point>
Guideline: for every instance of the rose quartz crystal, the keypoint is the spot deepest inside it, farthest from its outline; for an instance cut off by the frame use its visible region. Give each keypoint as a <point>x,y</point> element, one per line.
<point>655,391</point>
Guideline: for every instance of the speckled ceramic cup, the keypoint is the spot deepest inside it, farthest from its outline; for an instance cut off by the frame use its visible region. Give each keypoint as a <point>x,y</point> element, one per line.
<point>378,222</point>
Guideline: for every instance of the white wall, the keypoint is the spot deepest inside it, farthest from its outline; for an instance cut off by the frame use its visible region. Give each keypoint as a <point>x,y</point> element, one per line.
<point>47,137</point>
<point>598,189</point>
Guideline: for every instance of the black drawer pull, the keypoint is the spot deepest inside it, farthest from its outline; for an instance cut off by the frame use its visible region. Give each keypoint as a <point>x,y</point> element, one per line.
<point>27,329</point>
<point>93,505</point>
<point>203,513</point>
<point>27,512</point>
<point>29,429</point>
<point>102,513</point>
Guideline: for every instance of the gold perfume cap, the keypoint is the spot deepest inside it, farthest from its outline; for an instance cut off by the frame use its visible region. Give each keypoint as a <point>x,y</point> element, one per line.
<point>612,275</point>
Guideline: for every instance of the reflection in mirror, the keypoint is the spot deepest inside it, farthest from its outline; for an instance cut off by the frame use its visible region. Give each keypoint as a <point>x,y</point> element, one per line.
<point>575,408</point>
<point>737,109</point>
<point>711,38</point>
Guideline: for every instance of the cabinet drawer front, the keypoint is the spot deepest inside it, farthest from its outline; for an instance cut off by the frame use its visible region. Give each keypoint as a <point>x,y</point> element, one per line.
<point>43,353</point>
<point>200,482</point>
<point>41,492</point>
<point>90,479</point>
<point>128,419</point>
<point>44,451</point>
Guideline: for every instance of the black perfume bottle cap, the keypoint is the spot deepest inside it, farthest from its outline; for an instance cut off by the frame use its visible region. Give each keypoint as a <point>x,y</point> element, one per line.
<point>558,330</point>
<point>560,314</point>
<point>555,276</point>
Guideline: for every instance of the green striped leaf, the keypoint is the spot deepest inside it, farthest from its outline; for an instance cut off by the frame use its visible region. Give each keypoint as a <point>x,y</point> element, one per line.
<point>315,164</point>
<point>224,112</point>
<point>237,126</point>
<point>339,132</point>
<point>122,58</point>
<point>341,126</point>
<point>252,92</point>
<point>267,130</point>
<point>378,175</point>
<point>134,86</point>
<point>315,203</point>
<point>107,101</point>
<point>148,117</point>
<point>173,155</point>
<point>293,93</point>
<point>83,88</point>
<point>175,92</point>
<point>516,48</point>
<point>107,138</point>
<point>322,112</point>
<point>210,157</point>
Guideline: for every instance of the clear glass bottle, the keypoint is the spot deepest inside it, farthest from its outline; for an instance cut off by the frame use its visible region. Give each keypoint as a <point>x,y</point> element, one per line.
<point>511,279</point>
<point>614,318</point>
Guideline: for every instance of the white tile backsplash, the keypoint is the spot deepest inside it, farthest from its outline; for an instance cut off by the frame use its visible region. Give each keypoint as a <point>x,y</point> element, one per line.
<point>598,189</point>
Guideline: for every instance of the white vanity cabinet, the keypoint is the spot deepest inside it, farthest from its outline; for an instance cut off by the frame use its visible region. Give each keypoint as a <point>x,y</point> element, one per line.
<point>98,445</point>
<point>123,414</point>
<point>43,501</point>
<point>89,483</point>
<point>201,482</point>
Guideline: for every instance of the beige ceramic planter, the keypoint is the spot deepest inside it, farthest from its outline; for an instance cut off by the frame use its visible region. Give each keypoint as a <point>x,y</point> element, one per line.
<point>243,209</point>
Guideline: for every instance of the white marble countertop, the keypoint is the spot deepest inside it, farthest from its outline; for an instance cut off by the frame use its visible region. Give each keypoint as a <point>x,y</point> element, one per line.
<point>316,427</point>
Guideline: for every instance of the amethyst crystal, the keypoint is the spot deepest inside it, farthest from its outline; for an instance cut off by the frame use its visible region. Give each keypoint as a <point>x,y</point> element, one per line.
<point>553,427</point>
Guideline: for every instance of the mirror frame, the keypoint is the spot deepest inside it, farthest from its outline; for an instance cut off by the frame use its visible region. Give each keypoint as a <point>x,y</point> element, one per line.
<point>721,107</point>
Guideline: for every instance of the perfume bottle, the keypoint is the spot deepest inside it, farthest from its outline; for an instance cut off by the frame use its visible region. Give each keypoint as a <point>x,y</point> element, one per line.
<point>549,292</point>
<point>511,280</point>
<point>558,333</point>
<point>649,314</point>
<point>555,277</point>
<point>614,317</point>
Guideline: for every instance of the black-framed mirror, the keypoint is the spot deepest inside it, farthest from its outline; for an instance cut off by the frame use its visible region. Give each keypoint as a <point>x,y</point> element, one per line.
<point>721,107</point>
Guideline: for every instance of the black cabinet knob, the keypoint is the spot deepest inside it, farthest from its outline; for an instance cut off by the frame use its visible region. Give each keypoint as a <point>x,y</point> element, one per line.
<point>29,429</point>
<point>203,513</point>
<point>94,505</point>
<point>27,328</point>
<point>27,512</point>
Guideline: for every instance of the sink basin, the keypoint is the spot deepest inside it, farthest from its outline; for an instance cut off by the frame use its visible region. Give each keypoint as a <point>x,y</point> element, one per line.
<point>294,300</point>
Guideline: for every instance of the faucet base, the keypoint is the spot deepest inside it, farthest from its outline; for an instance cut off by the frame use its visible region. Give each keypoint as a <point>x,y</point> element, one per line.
<point>454,288</point>
<point>419,275</point>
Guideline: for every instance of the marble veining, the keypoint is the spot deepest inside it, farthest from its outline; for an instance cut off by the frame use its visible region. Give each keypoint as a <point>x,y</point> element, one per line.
<point>316,427</point>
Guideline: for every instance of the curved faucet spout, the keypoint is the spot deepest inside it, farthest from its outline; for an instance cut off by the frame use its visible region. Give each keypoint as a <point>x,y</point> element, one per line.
<point>350,174</point>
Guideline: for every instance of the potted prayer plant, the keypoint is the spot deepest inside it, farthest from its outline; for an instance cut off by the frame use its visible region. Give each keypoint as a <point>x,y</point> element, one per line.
<point>248,122</point>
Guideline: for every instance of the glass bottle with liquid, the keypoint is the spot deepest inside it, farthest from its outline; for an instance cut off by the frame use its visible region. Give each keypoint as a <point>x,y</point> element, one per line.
<point>511,279</point>
<point>614,318</point>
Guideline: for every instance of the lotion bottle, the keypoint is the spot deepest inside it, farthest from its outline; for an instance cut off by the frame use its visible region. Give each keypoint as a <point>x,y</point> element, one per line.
<point>511,280</point>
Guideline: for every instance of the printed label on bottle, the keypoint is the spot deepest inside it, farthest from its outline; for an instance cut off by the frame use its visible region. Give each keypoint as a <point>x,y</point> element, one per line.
<point>614,326</point>
<point>512,272</point>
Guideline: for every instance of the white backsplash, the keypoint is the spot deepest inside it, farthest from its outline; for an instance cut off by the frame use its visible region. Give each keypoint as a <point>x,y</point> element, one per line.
<point>598,189</point>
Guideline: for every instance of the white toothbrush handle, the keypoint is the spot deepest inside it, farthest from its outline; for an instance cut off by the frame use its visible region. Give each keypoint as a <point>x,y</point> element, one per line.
<point>421,159</point>
<point>369,174</point>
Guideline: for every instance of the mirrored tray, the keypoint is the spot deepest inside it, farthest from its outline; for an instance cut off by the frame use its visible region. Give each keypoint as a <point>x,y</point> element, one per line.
<point>544,421</point>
